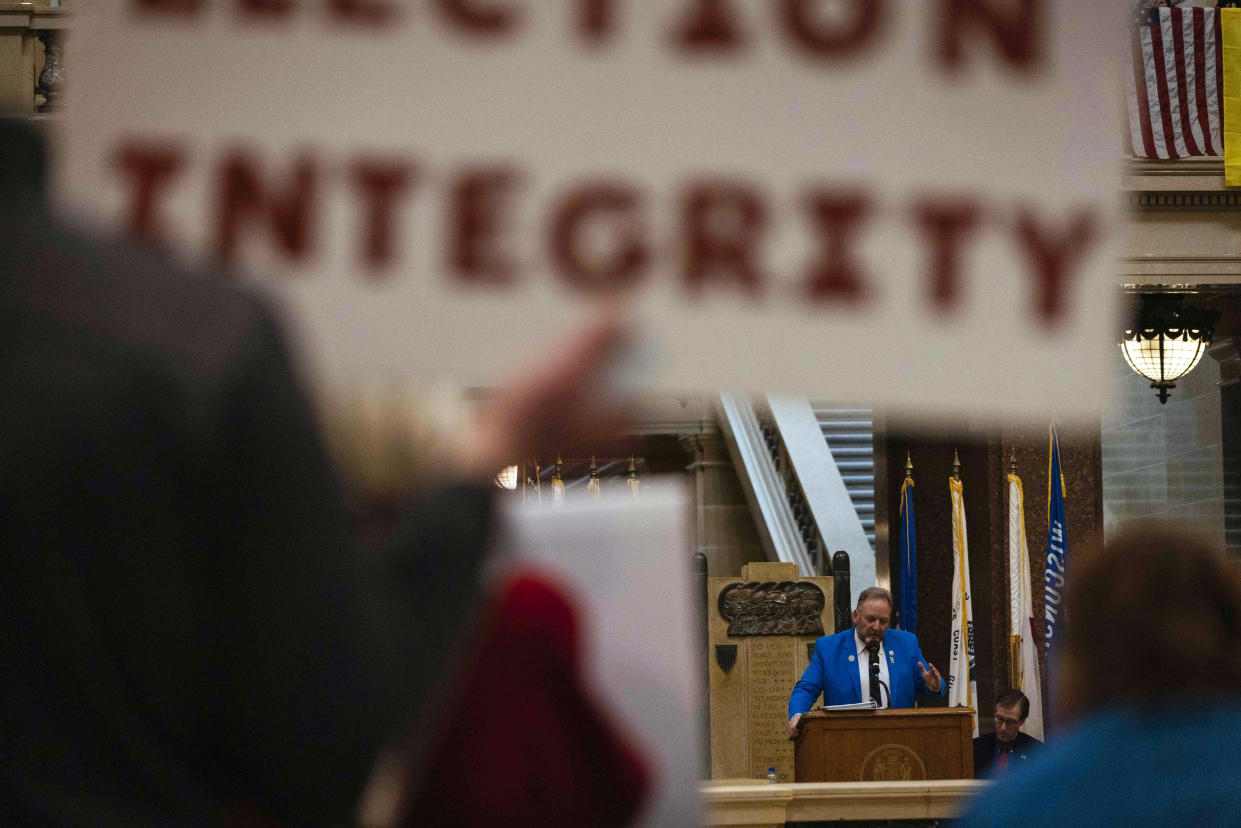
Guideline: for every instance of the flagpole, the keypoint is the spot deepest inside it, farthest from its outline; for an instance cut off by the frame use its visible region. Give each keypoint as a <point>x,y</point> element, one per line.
<point>907,615</point>
<point>956,477</point>
<point>1014,628</point>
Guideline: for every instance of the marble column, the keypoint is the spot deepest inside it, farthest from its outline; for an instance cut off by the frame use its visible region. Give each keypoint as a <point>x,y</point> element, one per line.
<point>724,528</point>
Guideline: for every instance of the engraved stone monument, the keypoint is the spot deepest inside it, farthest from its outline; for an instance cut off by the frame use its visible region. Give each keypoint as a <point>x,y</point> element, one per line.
<point>759,629</point>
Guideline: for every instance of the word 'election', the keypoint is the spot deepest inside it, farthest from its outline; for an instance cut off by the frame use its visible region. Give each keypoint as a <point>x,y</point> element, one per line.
<point>823,30</point>
<point>596,234</point>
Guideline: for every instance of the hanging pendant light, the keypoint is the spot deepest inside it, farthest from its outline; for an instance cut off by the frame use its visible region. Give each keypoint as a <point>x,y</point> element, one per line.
<point>1167,339</point>
<point>507,478</point>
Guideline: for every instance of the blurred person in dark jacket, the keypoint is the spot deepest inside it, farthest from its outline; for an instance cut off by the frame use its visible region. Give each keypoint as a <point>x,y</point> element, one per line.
<point>187,631</point>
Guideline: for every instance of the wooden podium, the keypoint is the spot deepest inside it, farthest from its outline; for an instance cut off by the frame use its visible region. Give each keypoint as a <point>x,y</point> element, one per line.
<point>885,745</point>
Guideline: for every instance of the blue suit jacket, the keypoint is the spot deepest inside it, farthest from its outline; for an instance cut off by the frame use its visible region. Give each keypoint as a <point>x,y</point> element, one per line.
<point>832,673</point>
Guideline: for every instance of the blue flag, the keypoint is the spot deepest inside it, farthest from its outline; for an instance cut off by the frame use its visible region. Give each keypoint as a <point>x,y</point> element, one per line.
<point>1057,541</point>
<point>907,610</point>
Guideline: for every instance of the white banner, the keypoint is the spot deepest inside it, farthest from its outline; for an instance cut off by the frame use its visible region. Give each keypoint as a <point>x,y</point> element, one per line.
<point>962,685</point>
<point>1021,609</point>
<point>892,201</point>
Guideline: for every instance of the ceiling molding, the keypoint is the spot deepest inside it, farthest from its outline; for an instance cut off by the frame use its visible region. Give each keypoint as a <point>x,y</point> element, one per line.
<point>1222,270</point>
<point>1214,201</point>
<point>1182,175</point>
<point>1181,166</point>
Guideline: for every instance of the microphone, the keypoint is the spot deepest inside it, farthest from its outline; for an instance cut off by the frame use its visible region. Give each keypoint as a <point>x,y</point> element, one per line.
<point>873,647</point>
<point>874,671</point>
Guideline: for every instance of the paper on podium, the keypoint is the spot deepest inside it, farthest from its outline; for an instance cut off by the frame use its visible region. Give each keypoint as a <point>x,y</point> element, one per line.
<point>869,704</point>
<point>626,564</point>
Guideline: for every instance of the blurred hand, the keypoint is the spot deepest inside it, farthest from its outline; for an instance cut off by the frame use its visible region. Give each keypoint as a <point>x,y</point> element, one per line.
<point>930,676</point>
<point>557,403</point>
<point>793,725</point>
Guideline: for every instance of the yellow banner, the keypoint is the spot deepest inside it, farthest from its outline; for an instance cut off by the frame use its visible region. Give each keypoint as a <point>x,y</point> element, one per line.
<point>1230,31</point>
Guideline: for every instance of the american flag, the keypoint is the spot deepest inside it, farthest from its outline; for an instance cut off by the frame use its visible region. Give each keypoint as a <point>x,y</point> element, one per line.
<point>1175,88</point>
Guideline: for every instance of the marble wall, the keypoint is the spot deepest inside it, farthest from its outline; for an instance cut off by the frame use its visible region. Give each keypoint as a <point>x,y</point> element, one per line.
<point>1164,460</point>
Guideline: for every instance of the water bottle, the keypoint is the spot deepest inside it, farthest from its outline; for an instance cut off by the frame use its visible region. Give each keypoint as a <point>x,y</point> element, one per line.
<point>771,776</point>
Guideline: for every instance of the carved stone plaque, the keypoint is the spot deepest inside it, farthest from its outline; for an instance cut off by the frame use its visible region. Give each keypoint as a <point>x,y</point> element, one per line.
<point>772,661</point>
<point>770,608</point>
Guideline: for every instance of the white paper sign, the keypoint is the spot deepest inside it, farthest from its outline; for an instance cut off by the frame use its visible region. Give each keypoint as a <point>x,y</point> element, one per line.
<point>626,566</point>
<point>910,203</point>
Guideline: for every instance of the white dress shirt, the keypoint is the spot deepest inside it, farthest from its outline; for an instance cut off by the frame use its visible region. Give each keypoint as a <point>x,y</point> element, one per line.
<point>863,669</point>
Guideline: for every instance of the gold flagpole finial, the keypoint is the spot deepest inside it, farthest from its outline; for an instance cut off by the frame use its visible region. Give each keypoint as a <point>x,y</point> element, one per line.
<point>1012,462</point>
<point>909,465</point>
<point>594,486</point>
<point>956,466</point>
<point>558,482</point>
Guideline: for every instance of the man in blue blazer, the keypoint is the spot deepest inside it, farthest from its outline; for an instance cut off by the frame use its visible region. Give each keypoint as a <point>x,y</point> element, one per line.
<point>841,667</point>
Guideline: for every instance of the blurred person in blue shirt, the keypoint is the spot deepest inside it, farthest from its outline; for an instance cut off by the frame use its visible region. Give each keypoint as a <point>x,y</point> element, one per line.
<point>1149,680</point>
